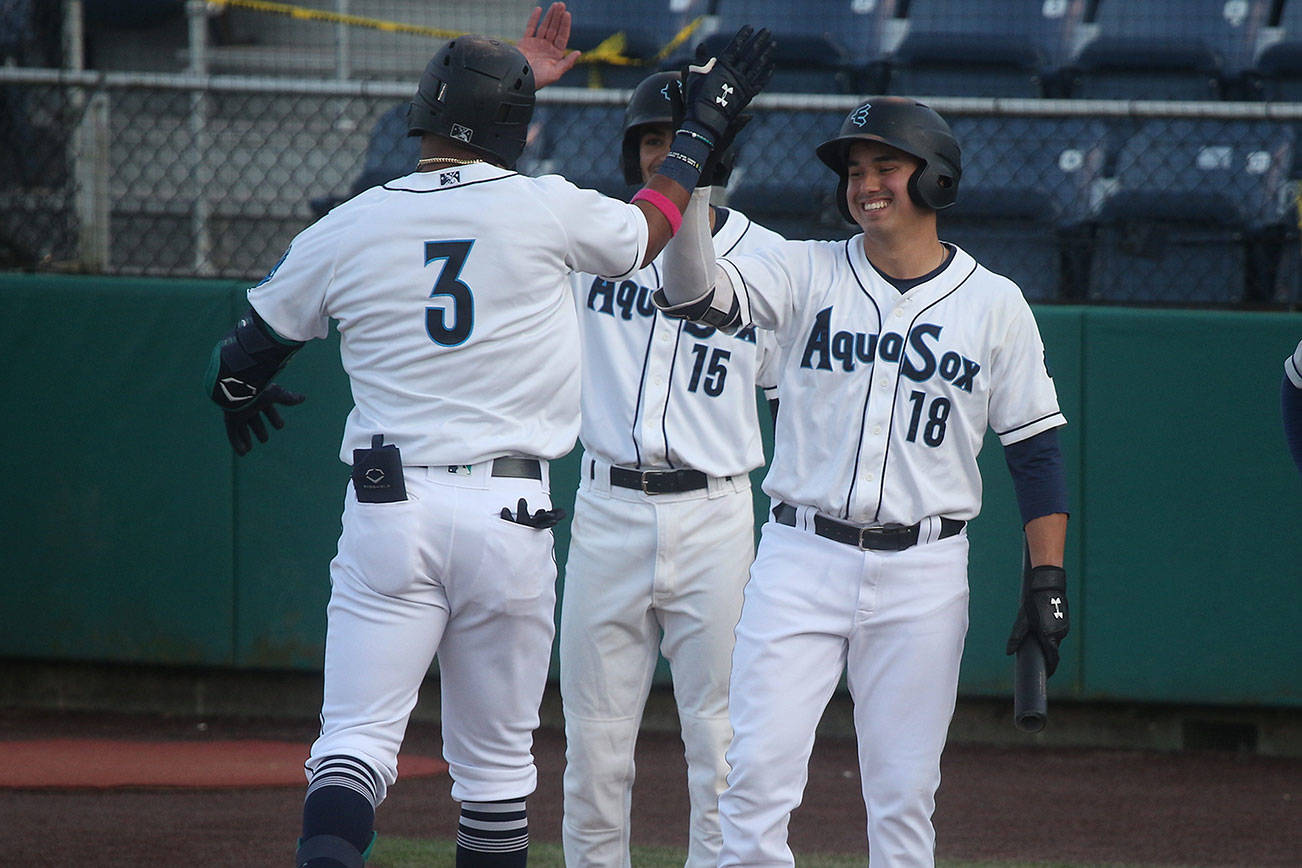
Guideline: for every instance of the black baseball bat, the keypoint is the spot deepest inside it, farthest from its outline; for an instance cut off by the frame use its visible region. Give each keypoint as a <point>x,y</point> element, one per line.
<point>1030,703</point>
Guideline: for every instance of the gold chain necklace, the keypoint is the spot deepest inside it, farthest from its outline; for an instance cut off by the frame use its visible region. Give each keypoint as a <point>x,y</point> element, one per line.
<point>452,161</point>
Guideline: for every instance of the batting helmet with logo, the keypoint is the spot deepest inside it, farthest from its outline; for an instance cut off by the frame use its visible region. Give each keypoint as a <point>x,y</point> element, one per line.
<point>479,92</point>
<point>911,127</point>
<point>658,99</point>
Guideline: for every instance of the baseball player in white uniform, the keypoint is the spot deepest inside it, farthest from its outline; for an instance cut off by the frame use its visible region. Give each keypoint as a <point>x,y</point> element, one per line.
<point>896,351</point>
<point>451,290</point>
<point>1291,404</point>
<point>663,531</point>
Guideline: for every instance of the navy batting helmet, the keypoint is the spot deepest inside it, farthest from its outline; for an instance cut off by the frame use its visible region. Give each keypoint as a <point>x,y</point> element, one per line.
<point>911,127</point>
<point>657,100</point>
<point>479,92</point>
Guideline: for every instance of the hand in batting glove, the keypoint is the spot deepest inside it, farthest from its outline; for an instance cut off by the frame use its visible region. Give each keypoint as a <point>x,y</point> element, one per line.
<point>249,417</point>
<point>1043,614</point>
<point>717,90</point>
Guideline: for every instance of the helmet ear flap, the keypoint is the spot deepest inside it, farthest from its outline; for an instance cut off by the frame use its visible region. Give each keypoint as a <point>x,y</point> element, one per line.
<point>628,158</point>
<point>841,205</point>
<point>931,188</point>
<point>916,188</point>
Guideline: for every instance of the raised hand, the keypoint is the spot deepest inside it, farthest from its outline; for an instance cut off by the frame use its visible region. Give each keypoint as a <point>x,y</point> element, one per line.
<point>544,46</point>
<point>717,89</point>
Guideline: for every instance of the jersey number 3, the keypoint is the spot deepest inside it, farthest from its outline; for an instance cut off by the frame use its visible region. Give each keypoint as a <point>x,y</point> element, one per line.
<point>452,255</point>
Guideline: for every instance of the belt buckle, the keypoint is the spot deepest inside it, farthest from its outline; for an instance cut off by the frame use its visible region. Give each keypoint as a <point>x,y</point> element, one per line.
<point>884,532</point>
<point>862,541</point>
<point>651,480</point>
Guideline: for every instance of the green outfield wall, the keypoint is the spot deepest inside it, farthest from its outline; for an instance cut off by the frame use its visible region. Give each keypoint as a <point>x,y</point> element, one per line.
<point>132,534</point>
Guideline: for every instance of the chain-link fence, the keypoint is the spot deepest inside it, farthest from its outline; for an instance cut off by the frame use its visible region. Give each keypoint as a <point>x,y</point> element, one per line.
<point>177,173</point>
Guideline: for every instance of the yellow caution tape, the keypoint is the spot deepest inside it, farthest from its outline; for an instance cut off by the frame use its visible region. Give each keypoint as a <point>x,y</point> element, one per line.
<point>610,51</point>
<point>305,14</point>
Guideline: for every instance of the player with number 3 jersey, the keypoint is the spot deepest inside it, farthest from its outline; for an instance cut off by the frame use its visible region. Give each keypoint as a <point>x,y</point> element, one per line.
<point>451,290</point>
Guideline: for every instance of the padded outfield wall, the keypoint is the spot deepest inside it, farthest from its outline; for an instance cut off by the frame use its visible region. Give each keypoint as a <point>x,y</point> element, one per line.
<point>133,535</point>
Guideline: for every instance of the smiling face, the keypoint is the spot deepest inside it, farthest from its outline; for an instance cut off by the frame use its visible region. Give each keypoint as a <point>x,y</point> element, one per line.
<point>877,190</point>
<point>653,146</point>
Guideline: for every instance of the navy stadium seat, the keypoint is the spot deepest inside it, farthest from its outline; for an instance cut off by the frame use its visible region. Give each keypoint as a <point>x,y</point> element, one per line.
<point>779,181</point>
<point>1192,198</point>
<point>581,143</point>
<point>1005,48</point>
<point>390,153</point>
<point>1277,72</point>
<point>647,27</point>
<point>1168,49</point>
<point>859,30</point>
<point>1024,197</point>
<point>802,64</point>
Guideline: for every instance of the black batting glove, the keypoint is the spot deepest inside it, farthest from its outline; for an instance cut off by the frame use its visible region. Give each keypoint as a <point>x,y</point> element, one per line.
<point>717,89</point>
<point>1043,614</point>
<point>248,419</point>
<point>540,520</point>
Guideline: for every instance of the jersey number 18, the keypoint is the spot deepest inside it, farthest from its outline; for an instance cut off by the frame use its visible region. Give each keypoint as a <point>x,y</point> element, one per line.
<point>933,432</point>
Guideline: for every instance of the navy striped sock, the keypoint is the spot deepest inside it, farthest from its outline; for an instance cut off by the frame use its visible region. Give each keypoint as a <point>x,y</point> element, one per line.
<point>493,834</point>
<point>340,802</point>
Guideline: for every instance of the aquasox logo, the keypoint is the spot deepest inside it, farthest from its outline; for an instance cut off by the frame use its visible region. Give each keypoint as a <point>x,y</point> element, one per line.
<point>917,353</point>
<point>622,299</point>
<point>710,363</point>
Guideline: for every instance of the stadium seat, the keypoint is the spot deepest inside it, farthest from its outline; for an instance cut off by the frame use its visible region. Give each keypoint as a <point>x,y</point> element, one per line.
<point>390,153</point>
<point>581,143</point>
<point>860,30</point>
<point>1191,203</point>
<point>1007,48</point>
<point>646,28</point>
<point>1277,73</point>
<point>779,181</point>
<point>802,64</point>
<point>1024,197</point>
<point>1168,49</point>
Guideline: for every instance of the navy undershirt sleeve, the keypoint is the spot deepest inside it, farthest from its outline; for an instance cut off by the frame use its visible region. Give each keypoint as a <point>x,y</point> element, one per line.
<point>1038,477</point>
<point>1291,401</point>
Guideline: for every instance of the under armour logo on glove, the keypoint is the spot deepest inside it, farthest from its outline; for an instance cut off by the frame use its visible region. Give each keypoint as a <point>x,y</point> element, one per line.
<point>722,98</point>
<point>540,520</point>
<point>1042,615</point>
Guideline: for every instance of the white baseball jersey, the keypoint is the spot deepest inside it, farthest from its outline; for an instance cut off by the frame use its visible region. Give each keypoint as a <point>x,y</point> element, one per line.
<point>902,386</point>
<point>660,392</point>
<point>1293,367</point>
<point>466,354</point>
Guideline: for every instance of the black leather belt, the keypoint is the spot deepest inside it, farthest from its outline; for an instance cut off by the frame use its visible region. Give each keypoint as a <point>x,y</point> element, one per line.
<point>881,539</point>
<point>658,481</point>
<point>520,468</point>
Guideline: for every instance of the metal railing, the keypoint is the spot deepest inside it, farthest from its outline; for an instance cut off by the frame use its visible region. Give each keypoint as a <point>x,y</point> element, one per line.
<point>194,174</point>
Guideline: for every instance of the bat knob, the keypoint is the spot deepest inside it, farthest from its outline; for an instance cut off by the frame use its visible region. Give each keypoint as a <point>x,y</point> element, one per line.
<point>1030,721</point>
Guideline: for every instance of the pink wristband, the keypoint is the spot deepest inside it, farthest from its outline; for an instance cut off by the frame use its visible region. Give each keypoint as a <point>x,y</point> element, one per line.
<point>664,205</point>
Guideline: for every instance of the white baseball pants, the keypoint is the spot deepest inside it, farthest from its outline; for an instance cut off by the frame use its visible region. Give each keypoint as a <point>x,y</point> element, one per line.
<point>639,565</point>
<point>895,622</point>
<point>442,573</point>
